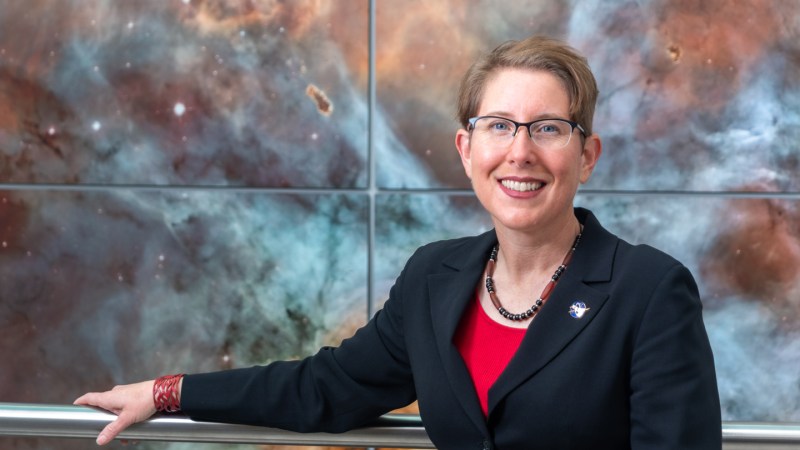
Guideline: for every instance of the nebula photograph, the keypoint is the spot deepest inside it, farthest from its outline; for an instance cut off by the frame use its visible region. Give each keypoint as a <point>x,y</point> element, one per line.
<point>197,185</point>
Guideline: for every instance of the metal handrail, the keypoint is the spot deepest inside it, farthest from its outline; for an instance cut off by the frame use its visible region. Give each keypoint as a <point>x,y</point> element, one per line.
<point>68,421</point>
<point>392,430</point>
<point>761,432</point>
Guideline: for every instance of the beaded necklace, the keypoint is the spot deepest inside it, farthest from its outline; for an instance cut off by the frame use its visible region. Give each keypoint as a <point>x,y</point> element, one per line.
<point>537,305</point>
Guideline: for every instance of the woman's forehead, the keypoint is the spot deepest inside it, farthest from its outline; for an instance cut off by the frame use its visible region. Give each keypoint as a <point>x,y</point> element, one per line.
<point>530,93</point>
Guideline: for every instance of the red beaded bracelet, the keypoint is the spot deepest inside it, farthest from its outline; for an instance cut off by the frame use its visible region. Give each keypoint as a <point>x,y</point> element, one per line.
<point>165,393</point>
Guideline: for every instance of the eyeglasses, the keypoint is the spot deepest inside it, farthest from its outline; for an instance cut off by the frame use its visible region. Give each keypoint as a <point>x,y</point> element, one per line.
<point>549,134</point>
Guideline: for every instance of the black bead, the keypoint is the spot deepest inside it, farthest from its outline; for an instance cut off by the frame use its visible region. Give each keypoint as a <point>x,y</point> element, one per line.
<point>539,302</point>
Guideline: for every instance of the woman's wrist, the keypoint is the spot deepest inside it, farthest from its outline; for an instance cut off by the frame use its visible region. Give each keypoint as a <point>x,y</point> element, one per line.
<point>167,393</point>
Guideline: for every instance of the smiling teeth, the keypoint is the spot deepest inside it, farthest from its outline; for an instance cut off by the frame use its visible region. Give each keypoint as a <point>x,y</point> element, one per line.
<point>521,187</point>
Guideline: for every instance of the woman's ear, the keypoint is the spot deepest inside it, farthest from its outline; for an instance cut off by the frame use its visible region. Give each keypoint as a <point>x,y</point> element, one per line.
<point>463,147</point>
<point>592,149</point>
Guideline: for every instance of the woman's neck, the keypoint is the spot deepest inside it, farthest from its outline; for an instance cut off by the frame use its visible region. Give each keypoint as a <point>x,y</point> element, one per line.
<point>523,253</point>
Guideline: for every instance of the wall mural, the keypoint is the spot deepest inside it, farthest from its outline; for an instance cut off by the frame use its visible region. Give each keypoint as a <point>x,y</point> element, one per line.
<point>694,96</point>
<point>184,92</point>
<point>186,183</point>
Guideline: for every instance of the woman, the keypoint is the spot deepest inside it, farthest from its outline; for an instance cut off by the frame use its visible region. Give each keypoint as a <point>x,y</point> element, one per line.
<point>612,354</point>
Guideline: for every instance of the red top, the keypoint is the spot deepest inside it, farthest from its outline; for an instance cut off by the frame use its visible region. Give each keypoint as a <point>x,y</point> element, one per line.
<point>486,347</point>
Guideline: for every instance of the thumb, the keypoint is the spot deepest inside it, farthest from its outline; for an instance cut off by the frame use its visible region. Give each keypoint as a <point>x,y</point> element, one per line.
<point>123,421</point>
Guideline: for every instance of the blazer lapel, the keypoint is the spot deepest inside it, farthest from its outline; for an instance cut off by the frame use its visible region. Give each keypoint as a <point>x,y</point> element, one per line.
<point>450,292</point>
<point>554,328</point>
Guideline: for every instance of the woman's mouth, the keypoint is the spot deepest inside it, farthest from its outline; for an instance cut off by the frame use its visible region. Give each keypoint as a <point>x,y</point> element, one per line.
<point>521,186</point>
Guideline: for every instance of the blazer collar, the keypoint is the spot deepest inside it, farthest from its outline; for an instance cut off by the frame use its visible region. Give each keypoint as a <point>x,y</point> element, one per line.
<point>450,292</point>
<point>553,328</point>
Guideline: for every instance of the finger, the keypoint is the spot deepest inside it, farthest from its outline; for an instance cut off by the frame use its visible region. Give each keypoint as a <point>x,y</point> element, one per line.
<point>94,399</point>
<point>114,428</point>
<point>84,399</point>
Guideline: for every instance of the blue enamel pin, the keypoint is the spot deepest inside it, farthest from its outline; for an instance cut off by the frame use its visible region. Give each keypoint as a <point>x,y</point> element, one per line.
<point>578,309</point>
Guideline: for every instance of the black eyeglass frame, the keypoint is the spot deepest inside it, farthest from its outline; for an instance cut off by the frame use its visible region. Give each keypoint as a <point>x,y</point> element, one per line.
<point>526,125</point>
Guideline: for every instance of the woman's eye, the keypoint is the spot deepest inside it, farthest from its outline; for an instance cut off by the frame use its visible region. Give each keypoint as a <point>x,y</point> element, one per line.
<point>548,128</point>
<point>500,126</point>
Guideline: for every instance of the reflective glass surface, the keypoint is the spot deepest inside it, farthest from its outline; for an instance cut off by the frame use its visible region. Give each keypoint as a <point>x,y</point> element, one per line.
<point>187,184</point>
<point>184,92</point>
<point>743,252</point>
<point>101,288</point>
<point>693,95</point>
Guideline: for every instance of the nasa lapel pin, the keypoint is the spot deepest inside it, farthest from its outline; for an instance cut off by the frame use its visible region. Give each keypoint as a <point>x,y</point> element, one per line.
<point>578,309</point>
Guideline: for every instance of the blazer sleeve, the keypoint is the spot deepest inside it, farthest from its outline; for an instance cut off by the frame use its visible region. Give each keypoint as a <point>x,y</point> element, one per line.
<point>674,397</point>
<point>333,391</point>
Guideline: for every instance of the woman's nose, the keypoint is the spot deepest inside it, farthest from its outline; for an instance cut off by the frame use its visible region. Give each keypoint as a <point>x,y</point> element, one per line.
<point>522,150</point>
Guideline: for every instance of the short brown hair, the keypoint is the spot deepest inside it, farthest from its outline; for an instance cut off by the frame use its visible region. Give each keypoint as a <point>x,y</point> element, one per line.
<point>534,53</point>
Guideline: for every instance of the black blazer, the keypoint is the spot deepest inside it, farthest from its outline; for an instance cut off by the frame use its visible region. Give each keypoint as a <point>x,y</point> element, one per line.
<point>636,371</point>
